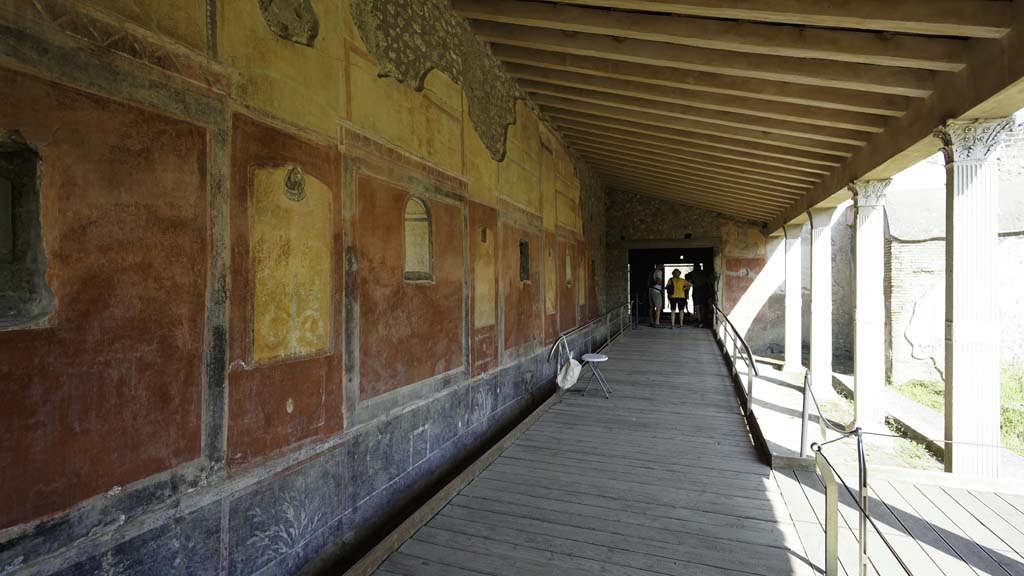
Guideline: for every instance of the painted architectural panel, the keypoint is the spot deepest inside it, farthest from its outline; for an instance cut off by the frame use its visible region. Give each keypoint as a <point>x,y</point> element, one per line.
<point>483,253</point>
<point>408,331</point>
<point>551,276</point>
<point>291,235</point>
<point>284,380</point>
<point>566,285</point>
<point>110,390</point>
<point>521,297</point>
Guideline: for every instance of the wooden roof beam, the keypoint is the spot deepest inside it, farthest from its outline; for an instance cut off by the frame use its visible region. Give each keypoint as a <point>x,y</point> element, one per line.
<point>783,191</point>
<point>850,75</point>
<point>696,197</point>
<point>637,138</point>
<point>655,194</point>
<point>767,39</point>
<point>652,153</point>
<point>695,181</point>
<point>700,115</point>
<point>789,92</point>
<point>790,146</point>
<point>971,18</point>
<point>699,99</point>
<point>684,195</point>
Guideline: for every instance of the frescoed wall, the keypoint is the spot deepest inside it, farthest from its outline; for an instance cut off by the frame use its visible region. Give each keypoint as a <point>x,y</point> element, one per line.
<point>108,389</point>
<point>241,371</point>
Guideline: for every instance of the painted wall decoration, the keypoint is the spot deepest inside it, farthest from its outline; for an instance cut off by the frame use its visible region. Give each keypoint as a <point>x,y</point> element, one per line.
<point>110,390</point>
<point>551,275</point>
<point>293,20</point>
<point>408,330</point>
<point>284,379</point>
<point>290,227</point>
<point>483,253</point>
<point>566,285</point>
<point>523,326</point>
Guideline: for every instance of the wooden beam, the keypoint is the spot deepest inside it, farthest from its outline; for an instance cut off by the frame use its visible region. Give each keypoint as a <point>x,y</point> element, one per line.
<point>788,92</point>
<point>644,139</point>
<point>702,116</point>
<point>973,18</point>
<point>763,39</point>
<point>706,144</point>
<point>682,194</point>
<point>988,86</point>
<point>675,159</point>
<point>575,136</point>
<point>699,181</point>
<point>661,165</point>
<point>854,76</point>
<point>798,147</point>
<point>704,100</point>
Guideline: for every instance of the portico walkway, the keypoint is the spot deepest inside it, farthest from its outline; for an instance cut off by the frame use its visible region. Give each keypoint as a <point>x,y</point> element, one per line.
<point>660,479</point>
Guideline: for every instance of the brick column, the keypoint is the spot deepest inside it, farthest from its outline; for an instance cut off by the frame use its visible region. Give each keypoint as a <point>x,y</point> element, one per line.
<point>869,306</point>
<point>794,299</point>
<point>821,298</point>
<point>972,317</point>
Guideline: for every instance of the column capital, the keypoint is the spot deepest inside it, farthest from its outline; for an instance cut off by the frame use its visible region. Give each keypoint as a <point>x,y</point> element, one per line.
<point>971,140</point>
<point>822,217</point>
<point>869,193</point>
<point>794,230</point>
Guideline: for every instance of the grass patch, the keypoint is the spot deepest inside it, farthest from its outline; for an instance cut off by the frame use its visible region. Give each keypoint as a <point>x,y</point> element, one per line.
<point>914,454</point>
<point>931,393</point>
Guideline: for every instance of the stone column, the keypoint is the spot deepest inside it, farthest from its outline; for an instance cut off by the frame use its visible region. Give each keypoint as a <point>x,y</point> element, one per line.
<point>821,299</point>
<point>972,316</point>
<point>869,304</point>
<point>794,299</point>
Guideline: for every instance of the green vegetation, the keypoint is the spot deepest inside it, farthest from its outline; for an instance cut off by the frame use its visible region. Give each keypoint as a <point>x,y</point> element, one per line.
<point>931,393</point>
<point>913,454</point>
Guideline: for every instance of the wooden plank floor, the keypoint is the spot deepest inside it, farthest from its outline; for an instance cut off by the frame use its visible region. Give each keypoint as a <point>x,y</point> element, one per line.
<point>937,530</point>
<point>660,479</point>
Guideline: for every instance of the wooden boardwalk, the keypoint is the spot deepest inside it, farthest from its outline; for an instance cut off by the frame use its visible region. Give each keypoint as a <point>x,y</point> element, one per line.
<point>937,530</point>
<point>660,479</point>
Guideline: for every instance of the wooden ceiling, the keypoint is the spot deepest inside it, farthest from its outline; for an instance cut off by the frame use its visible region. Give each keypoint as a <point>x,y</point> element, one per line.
<point>754,108</point>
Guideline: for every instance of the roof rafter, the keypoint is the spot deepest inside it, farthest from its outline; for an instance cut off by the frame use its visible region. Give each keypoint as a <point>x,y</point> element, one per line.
<point>973,18</point>
<point>869,77</point>
<point>775,40</point>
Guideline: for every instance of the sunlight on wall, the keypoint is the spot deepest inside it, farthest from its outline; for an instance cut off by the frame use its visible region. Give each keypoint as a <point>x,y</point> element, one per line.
<point>766,283</point>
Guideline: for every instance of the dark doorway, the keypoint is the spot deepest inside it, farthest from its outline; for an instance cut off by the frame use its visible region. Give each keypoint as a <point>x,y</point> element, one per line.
<point>642,263</point>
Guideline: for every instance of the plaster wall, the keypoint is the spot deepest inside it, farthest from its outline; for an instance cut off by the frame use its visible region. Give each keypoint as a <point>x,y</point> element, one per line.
<point>236,377</point>
<point>915,213</point>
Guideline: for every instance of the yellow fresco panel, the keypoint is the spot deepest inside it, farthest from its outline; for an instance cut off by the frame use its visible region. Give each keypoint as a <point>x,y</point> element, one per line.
<point>518,185</point>
<point>290,249</point>
<point>181,20</point>
<point>524,137</point>
<point>566,211</point>
<point>483,281</point>
<point>481,169</point>
<point>581,282</point>
<point>423,123</point>
<point>547,188</point>
<point>300,84</point>
<point>550,280</point>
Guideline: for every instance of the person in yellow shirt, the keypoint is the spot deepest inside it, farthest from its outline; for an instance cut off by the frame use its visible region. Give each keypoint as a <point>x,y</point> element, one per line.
<point>678,290</point>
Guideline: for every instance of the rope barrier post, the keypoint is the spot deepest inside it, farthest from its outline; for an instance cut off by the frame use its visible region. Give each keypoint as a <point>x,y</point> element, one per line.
<point>862,495</point>
<point>805,417</point>
<point>831,513</point>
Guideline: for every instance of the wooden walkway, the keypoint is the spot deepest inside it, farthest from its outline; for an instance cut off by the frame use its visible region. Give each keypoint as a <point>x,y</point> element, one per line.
<point>660,479</point>
<point>936,530</point>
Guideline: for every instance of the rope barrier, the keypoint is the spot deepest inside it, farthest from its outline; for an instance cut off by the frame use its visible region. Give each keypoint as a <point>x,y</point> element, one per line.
<point>817,448</point>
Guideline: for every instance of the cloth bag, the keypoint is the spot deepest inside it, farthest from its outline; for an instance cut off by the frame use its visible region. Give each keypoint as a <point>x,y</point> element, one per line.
<point>569,373</point>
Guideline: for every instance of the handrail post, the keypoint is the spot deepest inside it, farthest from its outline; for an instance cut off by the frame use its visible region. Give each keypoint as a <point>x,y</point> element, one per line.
<point>862,495</point>
<point>750,388</point>
<point>805,417</point>
<point>831,514</point>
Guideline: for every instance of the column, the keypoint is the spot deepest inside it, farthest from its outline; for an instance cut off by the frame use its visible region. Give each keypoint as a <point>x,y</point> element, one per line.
<point>821,298</point>
<point>794,299</point>
<point>972,316</point>
<point>869,304</point>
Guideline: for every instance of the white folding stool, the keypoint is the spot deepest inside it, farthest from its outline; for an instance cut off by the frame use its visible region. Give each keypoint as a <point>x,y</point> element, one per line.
<point>594,360</point>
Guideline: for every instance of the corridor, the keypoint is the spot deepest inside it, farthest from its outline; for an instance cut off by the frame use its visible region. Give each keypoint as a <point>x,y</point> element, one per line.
<point>660,479</point>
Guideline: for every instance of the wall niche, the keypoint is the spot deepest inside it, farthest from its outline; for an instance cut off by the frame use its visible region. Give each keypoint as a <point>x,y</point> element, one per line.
<point>25,297</point>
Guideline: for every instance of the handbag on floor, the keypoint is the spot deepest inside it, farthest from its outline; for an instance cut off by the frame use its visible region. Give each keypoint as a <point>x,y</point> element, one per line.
<point>569,373</point>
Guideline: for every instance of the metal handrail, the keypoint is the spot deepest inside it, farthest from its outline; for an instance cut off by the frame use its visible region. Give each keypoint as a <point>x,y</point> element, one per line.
<point>604,316</point>
<point>748,359</point>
